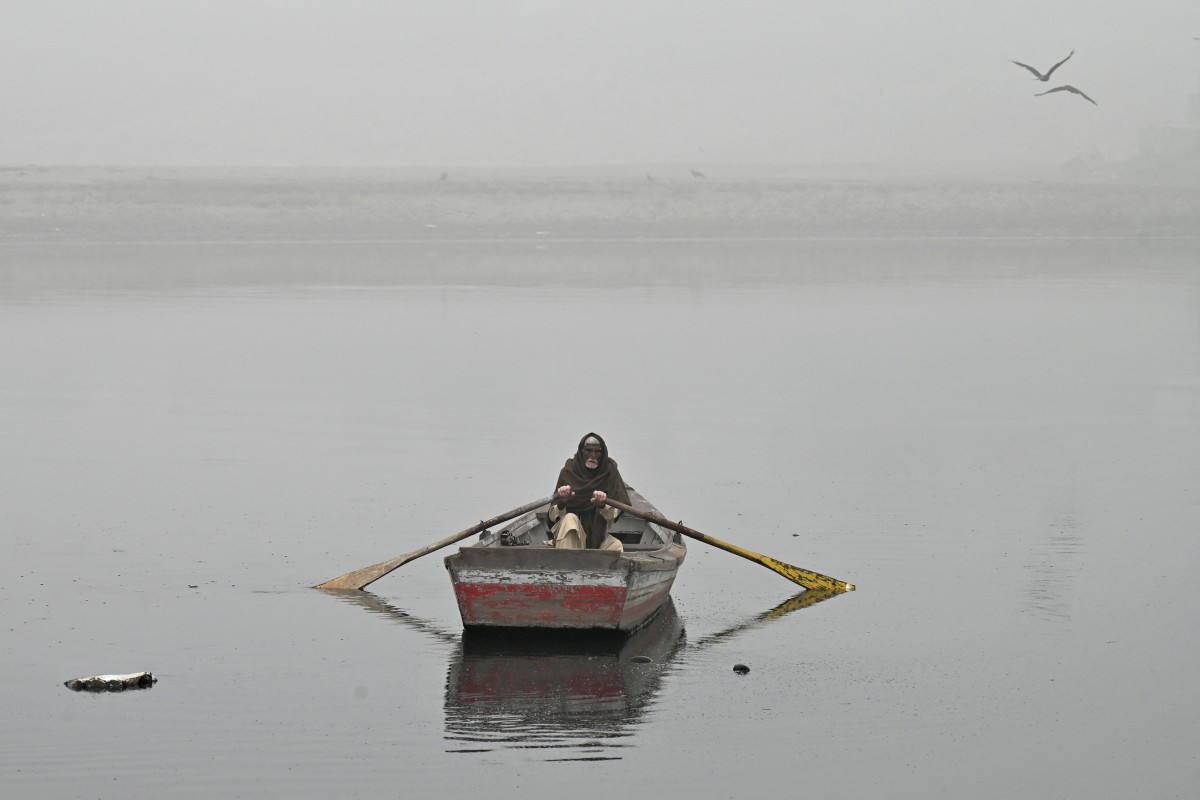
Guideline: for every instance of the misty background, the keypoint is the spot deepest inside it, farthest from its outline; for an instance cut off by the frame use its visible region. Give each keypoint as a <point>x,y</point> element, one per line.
<point>532,82</point>
<point>251,339</point>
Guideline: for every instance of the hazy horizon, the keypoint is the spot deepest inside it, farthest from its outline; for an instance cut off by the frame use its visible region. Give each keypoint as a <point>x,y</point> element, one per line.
<point>543,84</point>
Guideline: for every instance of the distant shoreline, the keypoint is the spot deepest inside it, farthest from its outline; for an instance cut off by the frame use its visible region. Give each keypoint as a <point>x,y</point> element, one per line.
<point>82,204</point>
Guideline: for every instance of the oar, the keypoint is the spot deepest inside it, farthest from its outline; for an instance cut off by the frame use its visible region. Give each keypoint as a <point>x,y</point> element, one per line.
<point>806,578</point>
<point>367,575</point>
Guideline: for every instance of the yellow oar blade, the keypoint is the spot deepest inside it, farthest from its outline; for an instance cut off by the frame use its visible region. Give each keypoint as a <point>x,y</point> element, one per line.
<point>804,577</point>
<point>361,578</point>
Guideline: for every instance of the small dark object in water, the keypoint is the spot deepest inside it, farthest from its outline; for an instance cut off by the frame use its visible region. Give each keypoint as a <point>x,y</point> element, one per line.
<point>740,669</point>
<point>640,659</point>
<point>112,683</point>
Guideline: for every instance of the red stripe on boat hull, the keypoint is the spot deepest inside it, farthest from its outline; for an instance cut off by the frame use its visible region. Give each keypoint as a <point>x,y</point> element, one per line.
<point>540,605</point>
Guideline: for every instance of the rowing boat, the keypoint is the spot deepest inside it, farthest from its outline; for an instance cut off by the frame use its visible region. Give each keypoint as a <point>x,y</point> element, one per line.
<point>515,578</point>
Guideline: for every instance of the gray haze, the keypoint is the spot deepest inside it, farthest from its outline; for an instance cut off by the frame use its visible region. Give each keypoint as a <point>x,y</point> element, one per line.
<point>535,82</point>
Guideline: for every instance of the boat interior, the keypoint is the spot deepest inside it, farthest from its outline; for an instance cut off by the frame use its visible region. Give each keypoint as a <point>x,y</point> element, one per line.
<point>533,530</point>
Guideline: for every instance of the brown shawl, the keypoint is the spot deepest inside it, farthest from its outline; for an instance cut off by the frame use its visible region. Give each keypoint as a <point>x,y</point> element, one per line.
<point>605,478</point>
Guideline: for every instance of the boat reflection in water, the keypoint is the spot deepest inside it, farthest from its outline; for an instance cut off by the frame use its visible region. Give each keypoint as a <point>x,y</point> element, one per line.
<point>577,695</point>
<point>577,692</point>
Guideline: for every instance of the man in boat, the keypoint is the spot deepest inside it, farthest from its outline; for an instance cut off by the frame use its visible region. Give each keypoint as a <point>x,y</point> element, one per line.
<point>578,514</point>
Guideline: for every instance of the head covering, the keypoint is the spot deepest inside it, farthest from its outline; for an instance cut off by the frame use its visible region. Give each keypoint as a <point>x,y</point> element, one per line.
<point>605,478</point>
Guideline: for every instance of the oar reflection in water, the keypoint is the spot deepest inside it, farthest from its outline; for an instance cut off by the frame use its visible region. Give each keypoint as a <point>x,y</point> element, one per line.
<point>804,599</point>
<point>577,696</point>
<point>377,605</point>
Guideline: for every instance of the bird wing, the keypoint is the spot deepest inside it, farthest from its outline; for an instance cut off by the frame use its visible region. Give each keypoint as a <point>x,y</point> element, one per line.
<point>1082,94</point>
<point>1066,87</point>
<point>1031,69</point>
<point>1056,66</point>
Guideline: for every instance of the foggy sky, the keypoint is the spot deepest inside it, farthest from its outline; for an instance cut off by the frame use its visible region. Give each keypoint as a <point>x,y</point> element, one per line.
<point>539,82</point>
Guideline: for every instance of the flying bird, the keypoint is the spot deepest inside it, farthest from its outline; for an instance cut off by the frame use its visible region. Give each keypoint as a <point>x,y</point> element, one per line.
<point>1039,76</point>
<point>1066,87</point>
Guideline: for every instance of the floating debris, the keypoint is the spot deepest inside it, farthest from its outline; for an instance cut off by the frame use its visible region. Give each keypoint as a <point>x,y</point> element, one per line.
<point>112,683</point>
<point>740,669</point>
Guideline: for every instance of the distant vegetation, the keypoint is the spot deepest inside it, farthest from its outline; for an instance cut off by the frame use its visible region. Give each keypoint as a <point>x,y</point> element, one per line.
<point>67,204</point>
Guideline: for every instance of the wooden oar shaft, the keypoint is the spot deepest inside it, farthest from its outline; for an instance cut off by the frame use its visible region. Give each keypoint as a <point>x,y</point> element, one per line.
<point>360,578</point>
<point>806,578</point>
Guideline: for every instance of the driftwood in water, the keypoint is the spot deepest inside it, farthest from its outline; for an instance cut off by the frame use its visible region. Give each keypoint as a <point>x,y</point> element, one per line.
<point>112,683</point>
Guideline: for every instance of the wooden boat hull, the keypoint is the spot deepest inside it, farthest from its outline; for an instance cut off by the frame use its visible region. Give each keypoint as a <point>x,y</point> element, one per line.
<point>537,586</point>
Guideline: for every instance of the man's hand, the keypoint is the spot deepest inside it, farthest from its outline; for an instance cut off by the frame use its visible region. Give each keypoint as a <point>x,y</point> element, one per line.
<point>598,497</point>
<point>564,492</point>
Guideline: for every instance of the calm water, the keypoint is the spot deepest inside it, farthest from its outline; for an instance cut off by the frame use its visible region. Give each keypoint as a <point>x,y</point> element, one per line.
<point>997,441</point>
